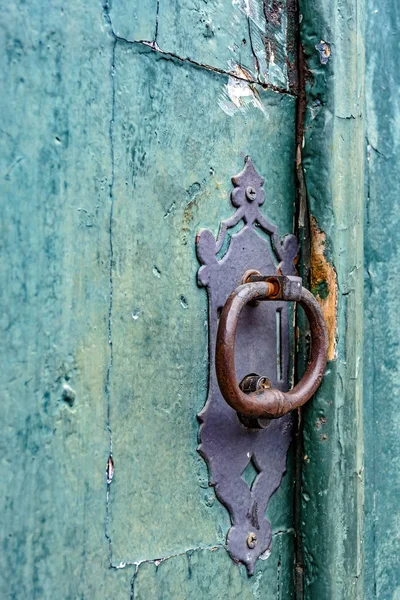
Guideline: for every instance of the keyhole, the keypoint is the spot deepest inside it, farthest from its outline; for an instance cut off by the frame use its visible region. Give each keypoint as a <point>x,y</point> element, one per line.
<point>279,344</point>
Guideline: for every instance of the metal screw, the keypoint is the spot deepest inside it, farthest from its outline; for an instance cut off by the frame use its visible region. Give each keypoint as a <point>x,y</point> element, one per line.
<point>251,193</point>
<point>252,540</point>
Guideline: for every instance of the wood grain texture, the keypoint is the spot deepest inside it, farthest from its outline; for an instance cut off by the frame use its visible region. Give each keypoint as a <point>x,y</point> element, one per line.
<point>382,323</point>
<point>55,163</point>
<point>113,155</point>
<point>249,38</point>
<point>170,180</point>
<point>211,573</point>
<point>333,160</point>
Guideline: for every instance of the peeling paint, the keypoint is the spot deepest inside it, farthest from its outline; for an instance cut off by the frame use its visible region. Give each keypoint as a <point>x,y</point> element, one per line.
<point>257,48</point>
<point>324,284</point>
<point>68,395</point>
<point>239,94</point>
<point>275,42</point>
<point>256,31</point>
<point>324,51</point>
<point>268,39</point>
<point>110,469</point>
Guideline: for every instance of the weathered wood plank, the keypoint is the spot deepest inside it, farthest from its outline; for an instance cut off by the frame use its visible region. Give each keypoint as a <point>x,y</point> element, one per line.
<point>56,167</point>
<point>212,574</point>
<point>175,148</point>
<point>333,162</point>
<point>134,21</point>
<point>382,322</point>
<point>111,155</point>
<point>252,39</point>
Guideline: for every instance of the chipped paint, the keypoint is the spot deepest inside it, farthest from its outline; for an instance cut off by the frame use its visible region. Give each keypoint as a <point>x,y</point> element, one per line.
<point>324,284</point>
<point>110,469</point>
<point>68,395</point>
<point>252,9</point>
<point>275,43</point>
<point>324,51</point>
<point>239,94</point>
<point>267,34</point>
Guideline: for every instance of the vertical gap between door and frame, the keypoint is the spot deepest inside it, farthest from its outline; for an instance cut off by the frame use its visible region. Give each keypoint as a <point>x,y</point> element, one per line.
<point>302,232</point>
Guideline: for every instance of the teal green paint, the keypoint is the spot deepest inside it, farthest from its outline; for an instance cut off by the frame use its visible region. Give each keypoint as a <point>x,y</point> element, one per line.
<point>333,158</point>
<point>382,327</point>
<point>214,33</point>
<point>321,290</point>
<point>55,170</point>
<point>225,36</point>
<point>212,574</point>
<point>134,21</point>
<point>112,157</point>
<point>170,180</point>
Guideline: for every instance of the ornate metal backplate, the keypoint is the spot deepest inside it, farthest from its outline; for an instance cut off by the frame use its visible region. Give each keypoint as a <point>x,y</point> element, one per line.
<point>232,450</point>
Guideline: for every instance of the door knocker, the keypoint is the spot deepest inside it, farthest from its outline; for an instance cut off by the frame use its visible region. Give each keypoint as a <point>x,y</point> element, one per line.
<point>249,423</point>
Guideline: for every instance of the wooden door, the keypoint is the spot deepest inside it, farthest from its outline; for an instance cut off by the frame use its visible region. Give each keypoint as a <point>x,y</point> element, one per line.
<point>382,323</point>
<point>180,131</point>
<point>122,126</point>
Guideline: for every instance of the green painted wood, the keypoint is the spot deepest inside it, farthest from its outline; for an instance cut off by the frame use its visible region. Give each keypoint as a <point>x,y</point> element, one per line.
<point>333,163</point>
<point>211,25</point>
<point>133,20</point>
<point>113,155</point>
<point>235,37</point>
<point>382,326</point>
<point>160,384</point>
<point>55,165</point>
<point>211,573</point>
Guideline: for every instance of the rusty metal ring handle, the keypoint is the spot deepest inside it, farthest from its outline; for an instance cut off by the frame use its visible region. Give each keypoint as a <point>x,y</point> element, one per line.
<point>269,403</point>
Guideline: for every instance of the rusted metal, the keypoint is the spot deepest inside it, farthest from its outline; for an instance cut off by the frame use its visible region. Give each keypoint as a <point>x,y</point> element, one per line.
<point>252,383</point>
<point>269,403</point>
<point>252,540</point>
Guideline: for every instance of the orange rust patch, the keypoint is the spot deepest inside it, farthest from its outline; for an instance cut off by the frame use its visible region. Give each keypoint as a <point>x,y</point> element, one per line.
<point>324,284</point>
